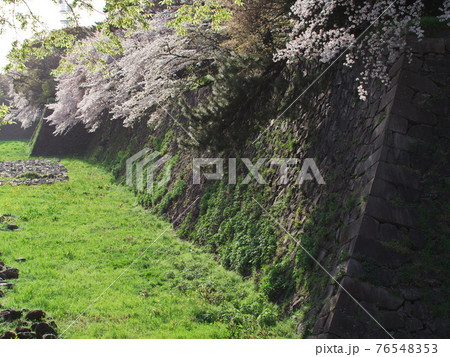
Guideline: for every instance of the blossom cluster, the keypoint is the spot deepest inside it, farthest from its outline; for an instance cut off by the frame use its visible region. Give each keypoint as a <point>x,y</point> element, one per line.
<point>23,111</point>
<point>374,32</point>
<point>445,17</point>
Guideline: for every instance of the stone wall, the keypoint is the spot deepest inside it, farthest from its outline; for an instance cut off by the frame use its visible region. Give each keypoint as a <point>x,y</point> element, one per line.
<point>385,237</point>
<point>16,132</point>
<point>74,142</point>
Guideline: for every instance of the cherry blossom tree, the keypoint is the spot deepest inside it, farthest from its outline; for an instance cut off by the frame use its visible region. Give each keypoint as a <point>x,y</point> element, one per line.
<point>153,68</point>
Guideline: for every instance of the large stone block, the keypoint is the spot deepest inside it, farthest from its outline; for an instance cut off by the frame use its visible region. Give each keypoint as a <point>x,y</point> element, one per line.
<point>414,114</point>
<point>440,107</point>
<point>389,232</point>
<point>353,268</point>
<point>423,132</point>
<point>398,124</point>
<point>397,66</point>
<point>380,129</point>
<point>369,228</point>
<point>376,251</point>
<point>415,64</point>
<point>363,291</point>
<point>433,45</point>
<point>398,175</point>
<point>435,64</point>
<point>384,212</point>
<point>412,324</point>
<point>344,326</point>
<point>319,325</point>
<point>403,142</point>
<point>404,93</point>
<point>417,239</point>
<point>392,321</point>
<point>388,97</point>
<point>351,230</point>
<point>396,156</point>
<point>383,189</point>
<point>366,164</point>
<point>418,82</point>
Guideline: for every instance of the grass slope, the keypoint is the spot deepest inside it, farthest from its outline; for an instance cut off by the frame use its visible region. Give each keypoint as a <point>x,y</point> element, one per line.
<point>79,236</point>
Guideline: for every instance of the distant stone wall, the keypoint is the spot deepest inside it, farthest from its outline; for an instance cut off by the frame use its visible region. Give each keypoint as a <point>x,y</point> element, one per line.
<point>16,132</point>
<point>74,142</point>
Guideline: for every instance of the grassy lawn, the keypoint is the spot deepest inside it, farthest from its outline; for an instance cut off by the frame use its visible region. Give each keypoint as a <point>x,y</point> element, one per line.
<point>79,236</point>
<point>13,150</point>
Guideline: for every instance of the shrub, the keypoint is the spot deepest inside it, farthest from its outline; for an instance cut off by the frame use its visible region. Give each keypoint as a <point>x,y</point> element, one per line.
<point>278,282</point>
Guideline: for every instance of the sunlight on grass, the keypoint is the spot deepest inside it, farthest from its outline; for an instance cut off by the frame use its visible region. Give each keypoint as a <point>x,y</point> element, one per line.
<point>14,150</point>
<point>79,236</point>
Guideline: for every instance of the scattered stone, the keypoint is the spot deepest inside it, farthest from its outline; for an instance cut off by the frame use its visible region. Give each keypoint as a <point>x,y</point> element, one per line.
<point>35,315</point>
<point>49,336</point>
<point>26,335</point>
<point>22,260</point>
<point>10,273</point>
<point>11,227</point>
<point>11,315</point>
<point>6,284</point>
<point>4,313</point>
<point>43,329</point>
<point>22,329</point>
<point>9,335</point>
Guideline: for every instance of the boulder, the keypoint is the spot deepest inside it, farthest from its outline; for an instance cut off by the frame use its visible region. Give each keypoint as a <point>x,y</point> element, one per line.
<point>26,335</point>
<point>9,335</point>
<point>35,315</point>
<point>11,315</point>
<point>49,336</point>
<point>12,227</point>
<point>11,273</point>
<point>43,329</point>
<point>22,329</point>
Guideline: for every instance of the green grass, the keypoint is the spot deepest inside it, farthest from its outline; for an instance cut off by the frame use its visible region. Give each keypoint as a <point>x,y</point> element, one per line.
<point>14,150</point>
<point>79,236</point>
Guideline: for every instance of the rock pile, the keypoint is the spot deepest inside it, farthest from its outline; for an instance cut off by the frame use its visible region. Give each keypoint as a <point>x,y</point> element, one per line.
<point>22,324</point>
<point>32,172</point>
